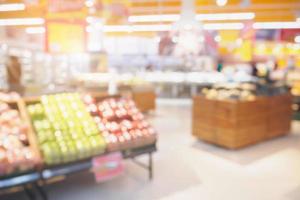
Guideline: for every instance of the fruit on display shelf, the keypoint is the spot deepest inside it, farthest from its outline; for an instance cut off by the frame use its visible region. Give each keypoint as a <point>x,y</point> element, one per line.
<point>121,123</point>
<point>11,96</point>
<point>16,155</point>
<point>65,130</point>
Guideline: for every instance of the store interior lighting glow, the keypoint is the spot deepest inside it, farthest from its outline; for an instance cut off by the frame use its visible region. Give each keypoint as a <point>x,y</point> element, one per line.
<point>223,26</point>
<point>217,38</point>
<point>297,39</point>
<point>136,28</point>
<point>94,20</point>
<point>154,18</point>
<point>225,16</point>
<point>165,27</point>
<point>35,30</point>
<point>12,7</point>
<point>276,25</point>
<point>89,3</point>
<point>200,17</point>
<point>221,2</point>
<point>21,21</point>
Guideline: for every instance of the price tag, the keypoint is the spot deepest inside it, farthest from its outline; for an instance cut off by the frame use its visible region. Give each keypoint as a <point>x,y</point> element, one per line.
<point>108,166</point>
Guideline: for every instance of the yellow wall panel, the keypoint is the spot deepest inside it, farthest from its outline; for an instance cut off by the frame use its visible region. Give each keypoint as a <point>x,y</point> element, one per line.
<point>65,37</point>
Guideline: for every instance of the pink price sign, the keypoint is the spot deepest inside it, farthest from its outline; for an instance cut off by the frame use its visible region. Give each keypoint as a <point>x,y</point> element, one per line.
<point>108,166</point>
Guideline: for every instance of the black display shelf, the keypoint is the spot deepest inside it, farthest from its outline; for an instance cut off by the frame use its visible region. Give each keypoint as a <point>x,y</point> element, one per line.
<point>19,179</point>
<point>83,165</point>
<point>37,179</point>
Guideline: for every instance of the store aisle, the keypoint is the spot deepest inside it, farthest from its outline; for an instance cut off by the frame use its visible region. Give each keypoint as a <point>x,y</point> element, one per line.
<point>189,169</point>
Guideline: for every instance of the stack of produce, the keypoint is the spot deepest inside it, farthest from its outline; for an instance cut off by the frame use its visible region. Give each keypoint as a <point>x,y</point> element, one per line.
<point>11,96</point>
<point>231,91</point>
<point>15,153</point>
<point>244,91</point>
<point>65,130</point>
<point>121,123</point>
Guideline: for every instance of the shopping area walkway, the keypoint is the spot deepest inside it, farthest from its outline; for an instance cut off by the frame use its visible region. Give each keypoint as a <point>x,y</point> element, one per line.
<point>185,168</point>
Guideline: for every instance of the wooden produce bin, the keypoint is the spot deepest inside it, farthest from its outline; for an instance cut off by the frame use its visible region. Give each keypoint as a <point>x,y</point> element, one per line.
<point>32,142</point>
<point>236,124</point>
<point>144,98</point>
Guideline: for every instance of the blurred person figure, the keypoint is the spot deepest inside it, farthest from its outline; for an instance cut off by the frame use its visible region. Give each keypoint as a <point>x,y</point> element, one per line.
<point>14,75</point>
<point>254,69</point>
<point>220,65</point>
<point>290,66</point>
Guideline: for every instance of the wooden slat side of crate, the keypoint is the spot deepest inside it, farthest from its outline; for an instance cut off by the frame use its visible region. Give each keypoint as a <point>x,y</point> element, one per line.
<point>241,122</point>
<point>144,100</point>
<point>31,133</point>
<point>206,133</point>
<point>229,109</point>
<point>279,116</point>
<point>203,105</point>
<point>241,137</point>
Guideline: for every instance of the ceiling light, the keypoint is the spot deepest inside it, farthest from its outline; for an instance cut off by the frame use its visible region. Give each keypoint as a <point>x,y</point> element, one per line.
<point>136,28</point>
<point>276,25</point>
<point>174,39</point>
<point>165,27</point>
<point>35,30</point>
<point>297,39</point>
<point>218,38</point>
<point>223,26</point>
<point>154,18</point>
<point>201,17</point>
<point>21,21</point>
<point>225,16</point>
<point>12,7</point>
<point>221,2</point>
<point>89,3</point>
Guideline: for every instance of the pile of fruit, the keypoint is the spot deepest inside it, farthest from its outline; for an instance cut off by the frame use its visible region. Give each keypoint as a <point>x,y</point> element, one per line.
<point>11,96</point>
<point>245,92</point>
<point>121,123</point>
<point>65,129</point>
<point>15,152</point>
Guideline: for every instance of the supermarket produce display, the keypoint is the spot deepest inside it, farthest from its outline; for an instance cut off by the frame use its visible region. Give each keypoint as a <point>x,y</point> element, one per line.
<point>9,96</point>
<point>243,91</point>
<point>69,129</point>
<point>121,123</point>
<point>231,119</point>
<point>65,130</point>
<point>16,154</point>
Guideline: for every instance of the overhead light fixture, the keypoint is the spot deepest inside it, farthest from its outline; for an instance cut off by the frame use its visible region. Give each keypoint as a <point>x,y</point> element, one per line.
<point>217,38</point>
<point>94,20</point>
<point>297,39</point>
<point>89,3</point>
<point>21,21</point>
<point>136,28</point>
<point>223,26</point>
<point>12,7</point>
<point>165,27</point>
<point>221,2</point>
<point>276,25</point>
<point>200,17</point>
<point>154,18</point>
<point>35,30</point>
<point>226,16</point>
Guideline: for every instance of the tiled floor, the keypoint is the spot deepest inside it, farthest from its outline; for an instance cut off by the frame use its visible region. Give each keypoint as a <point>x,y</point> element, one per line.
<point>189,169</point>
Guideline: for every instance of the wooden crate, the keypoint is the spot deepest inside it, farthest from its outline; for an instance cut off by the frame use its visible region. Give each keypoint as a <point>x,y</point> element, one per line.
<point>18,105</point>
<point>236,124</point>
<point>31,134</point>
<point>144,99</point>
<point>204,132</point>
<point>240,137</point>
